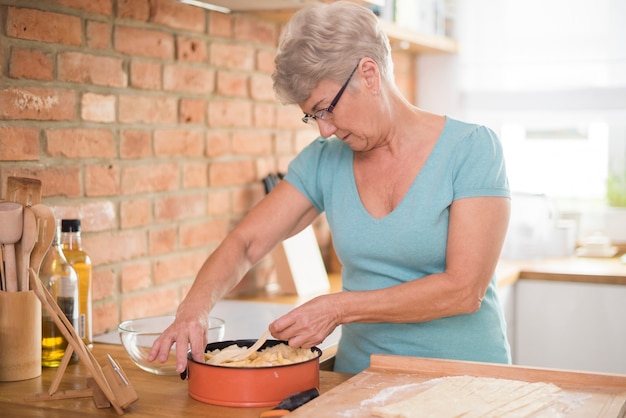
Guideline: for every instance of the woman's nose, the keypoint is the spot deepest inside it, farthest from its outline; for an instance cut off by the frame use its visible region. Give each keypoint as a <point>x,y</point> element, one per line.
<point>326,128</point>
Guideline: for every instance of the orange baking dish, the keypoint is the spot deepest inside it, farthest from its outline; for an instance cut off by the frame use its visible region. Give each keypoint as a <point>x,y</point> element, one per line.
<point>250,386</point>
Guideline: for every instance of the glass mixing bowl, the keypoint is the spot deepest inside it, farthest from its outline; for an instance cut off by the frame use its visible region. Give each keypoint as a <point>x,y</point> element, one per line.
<point>138,335</point>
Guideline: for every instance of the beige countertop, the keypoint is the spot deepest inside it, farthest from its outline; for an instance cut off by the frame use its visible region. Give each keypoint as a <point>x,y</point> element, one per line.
<point>572,269</point>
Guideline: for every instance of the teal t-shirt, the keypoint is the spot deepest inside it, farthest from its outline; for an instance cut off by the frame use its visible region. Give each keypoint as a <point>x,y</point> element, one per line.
<point>408,243</point>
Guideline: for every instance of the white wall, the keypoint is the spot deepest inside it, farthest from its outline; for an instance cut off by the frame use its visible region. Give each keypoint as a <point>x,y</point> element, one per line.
<point>535,62</point>
<point>540,44</point>
<point>533,58</point>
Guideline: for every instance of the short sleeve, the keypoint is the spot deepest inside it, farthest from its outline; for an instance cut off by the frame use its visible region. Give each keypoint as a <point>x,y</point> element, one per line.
<point>479,166</point>
<point>303,172</point>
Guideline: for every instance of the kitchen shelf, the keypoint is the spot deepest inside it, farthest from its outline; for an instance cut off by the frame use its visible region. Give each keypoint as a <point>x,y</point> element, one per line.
<point>418,42</point>
<point>399,37</point>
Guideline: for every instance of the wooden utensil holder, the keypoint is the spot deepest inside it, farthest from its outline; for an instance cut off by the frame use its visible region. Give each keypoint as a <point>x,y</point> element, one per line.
<point>20,336</point>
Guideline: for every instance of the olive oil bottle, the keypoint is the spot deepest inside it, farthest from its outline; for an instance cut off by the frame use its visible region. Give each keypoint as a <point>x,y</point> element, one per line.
<point>61,281</point>
<point>73,250</point>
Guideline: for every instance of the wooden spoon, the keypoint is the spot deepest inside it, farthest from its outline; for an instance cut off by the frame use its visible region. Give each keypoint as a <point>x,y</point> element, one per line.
<point>10,232</point>
<point>24,247</point>
<point>46,223</point>
<point>3,283</point>
<point>229,356</point>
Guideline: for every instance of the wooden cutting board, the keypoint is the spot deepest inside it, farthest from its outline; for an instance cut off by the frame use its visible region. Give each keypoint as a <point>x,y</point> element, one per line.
<point>391,379</point>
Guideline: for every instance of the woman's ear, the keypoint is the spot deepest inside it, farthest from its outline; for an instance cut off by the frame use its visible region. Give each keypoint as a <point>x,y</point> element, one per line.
<point>370,75</point>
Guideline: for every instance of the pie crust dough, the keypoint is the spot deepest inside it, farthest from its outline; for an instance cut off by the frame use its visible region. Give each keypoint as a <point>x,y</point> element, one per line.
<point>469,397</point>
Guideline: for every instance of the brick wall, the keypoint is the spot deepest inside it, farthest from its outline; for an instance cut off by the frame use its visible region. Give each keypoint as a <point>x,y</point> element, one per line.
<point>152,121</point>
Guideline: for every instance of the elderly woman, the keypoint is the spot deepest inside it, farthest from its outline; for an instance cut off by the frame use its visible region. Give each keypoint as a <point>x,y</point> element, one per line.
<point>418,206</point>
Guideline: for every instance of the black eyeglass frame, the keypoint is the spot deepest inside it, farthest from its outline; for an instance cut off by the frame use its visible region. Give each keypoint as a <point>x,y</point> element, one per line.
<point>321,114</point>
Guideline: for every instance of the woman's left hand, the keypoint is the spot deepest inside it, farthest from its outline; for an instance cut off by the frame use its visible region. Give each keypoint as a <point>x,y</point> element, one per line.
<point>308,324</point>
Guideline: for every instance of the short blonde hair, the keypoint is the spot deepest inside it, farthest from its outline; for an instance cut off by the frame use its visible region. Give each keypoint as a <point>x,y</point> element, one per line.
<point>326,41</point>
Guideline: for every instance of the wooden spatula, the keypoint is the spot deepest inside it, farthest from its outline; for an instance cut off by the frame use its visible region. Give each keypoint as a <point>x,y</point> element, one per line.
<point>24,247</point>
<point>46,224</point>
<point>24,190</point>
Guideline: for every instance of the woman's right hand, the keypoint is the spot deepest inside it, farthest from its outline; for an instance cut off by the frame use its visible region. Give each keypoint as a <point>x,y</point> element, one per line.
<point>189,330</point>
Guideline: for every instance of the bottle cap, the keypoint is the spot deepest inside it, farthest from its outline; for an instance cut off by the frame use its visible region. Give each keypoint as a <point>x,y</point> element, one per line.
<point>70,225</point>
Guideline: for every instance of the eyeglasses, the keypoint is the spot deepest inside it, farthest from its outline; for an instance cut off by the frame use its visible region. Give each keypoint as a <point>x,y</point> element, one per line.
<point>327,112</point>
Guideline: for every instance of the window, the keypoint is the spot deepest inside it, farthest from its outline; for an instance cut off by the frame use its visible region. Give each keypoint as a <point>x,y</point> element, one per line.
<point>566,161</point>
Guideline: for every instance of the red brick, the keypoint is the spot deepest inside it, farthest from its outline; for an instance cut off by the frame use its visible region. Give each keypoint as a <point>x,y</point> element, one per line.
<point>117,247</point>
<point>195,175</point>
<point>187,79</point>
<point>105,317</point>
<point>192,111</point>
<point>80,143</point>
<point>261,88</point>
<point>157,301</point>
<point>179,207</point>
<point>60,181</point>
<point>134,213</point>
<point>252,142</point>
<point>36,103</point>
<point>177,15</point>
<point>283,143</point>
<point>226,114</point>
<point>218,143</point>
<point>231,173</point>
<point>136,276</point>
<point>98,35</point>
<point>84,68</point>
<point>147,109</point>
<point>251,29</point>
<point>283,163</point>
<point>96,216</point>
<point>103,283</point>
<point>133,9</point>
<point>168,270</point>
<point>135,144</point>
<point>143,42</point>
<point>304,138</point>
<point>233,56</point>
<point>149,178</point>
<point>162,241</point>
<point>220,24</point>
<point>145,75</point>
<point>231,84</point>
<point>98,107</point>
<point>30,63</point>
<point>219,202</point>
<point>36,25</point>
<point>191,49</point>
<point>290,117</point>
<point>178,142</point>
<point>19,143</point>
<point>265,165</point>
<point>102,180</point>
<point>200,234</point>
<point>264,115</point>
<point>265,61</point>
<point>102,7</point>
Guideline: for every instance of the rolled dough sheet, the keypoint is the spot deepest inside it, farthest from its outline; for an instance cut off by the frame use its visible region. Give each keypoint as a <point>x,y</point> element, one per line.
<point>469,397</point>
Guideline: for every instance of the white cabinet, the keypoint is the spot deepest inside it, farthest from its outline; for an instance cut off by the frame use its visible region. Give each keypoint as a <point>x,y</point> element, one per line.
<point>566,325</point>
<point>506,294</point>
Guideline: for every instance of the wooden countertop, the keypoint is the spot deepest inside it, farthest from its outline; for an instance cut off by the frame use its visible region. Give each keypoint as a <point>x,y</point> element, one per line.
<point>158,396</point>
<point>574,269</point>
